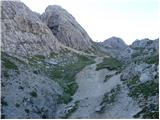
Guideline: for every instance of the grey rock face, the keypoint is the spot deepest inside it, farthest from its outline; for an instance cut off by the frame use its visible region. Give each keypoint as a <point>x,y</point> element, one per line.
<point>117,48</point>
<point>146,43</point>
<point>23,33</point>
<point>114,42</point>
<point>145,77</point>
<point>29,95</point>
<point>65,28</point>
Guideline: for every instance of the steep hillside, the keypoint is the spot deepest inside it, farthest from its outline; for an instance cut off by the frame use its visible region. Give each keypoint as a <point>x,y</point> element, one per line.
<point>37,71</point>
<point>141,76</point>
<point>23,33</point>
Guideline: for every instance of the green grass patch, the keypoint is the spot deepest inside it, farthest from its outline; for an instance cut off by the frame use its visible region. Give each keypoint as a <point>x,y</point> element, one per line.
<point>110,97</point>
<point>134,81</point>
<point>110,63</point>
<point>8,64</point>
<point>65,76</point>
<point>36,58</point>
<point>62,74</point>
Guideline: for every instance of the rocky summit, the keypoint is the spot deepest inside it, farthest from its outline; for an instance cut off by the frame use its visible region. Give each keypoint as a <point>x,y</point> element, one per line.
<point>51,68</point>
<point>115,43</point>
<point>66,29</point>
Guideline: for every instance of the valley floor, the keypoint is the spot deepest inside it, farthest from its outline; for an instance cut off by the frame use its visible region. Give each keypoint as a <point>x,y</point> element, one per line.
<point>87,100</point>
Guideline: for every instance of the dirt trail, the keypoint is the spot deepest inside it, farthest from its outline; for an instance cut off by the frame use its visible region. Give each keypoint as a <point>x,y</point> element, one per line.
<point>92,88</point>
<point>91,91</point>
<point>91,83</point>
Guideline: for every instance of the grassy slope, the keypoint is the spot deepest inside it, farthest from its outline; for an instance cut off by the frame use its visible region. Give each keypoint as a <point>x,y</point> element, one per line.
<point>63,74</point>
<point>109,63</point>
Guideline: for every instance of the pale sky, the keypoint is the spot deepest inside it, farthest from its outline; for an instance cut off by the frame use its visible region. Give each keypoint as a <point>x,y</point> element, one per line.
<point>127,19</point>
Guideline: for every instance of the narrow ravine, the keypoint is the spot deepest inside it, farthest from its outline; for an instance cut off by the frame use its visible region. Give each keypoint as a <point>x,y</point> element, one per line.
<point>91,91</point>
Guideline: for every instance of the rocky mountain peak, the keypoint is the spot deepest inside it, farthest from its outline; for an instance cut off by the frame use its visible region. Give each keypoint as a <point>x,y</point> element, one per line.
<point>64,26</point>
<point>115,42</point>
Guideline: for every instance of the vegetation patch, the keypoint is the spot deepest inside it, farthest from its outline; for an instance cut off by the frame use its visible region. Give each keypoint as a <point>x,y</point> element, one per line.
<point>110,97</point>
<point>148,112</point>
<point>33,94</point>
<point>62,74</point>
<point>132,82</point>
<point>70,111</point>
<point>107,77</point>
<point>147,89</point>
<point>36,58</point>
<point>65,76</point>
<point>138,52</point>
<point>152,59</point>
<point>142,56</point>
<point>8,64</point>
<point>141,92</point>
<point>110,63</point>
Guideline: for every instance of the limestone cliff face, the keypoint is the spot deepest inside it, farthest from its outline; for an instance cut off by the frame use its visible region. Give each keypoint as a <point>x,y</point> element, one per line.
<point>65,28</point>
<point>23,33</point>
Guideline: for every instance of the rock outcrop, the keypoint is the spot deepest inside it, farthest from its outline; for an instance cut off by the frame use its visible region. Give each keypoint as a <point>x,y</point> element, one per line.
<point>23,33</point>
<point>117,48</point>
<point>25,93</point>
<point>65,28</point>
<point>140,74</point>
